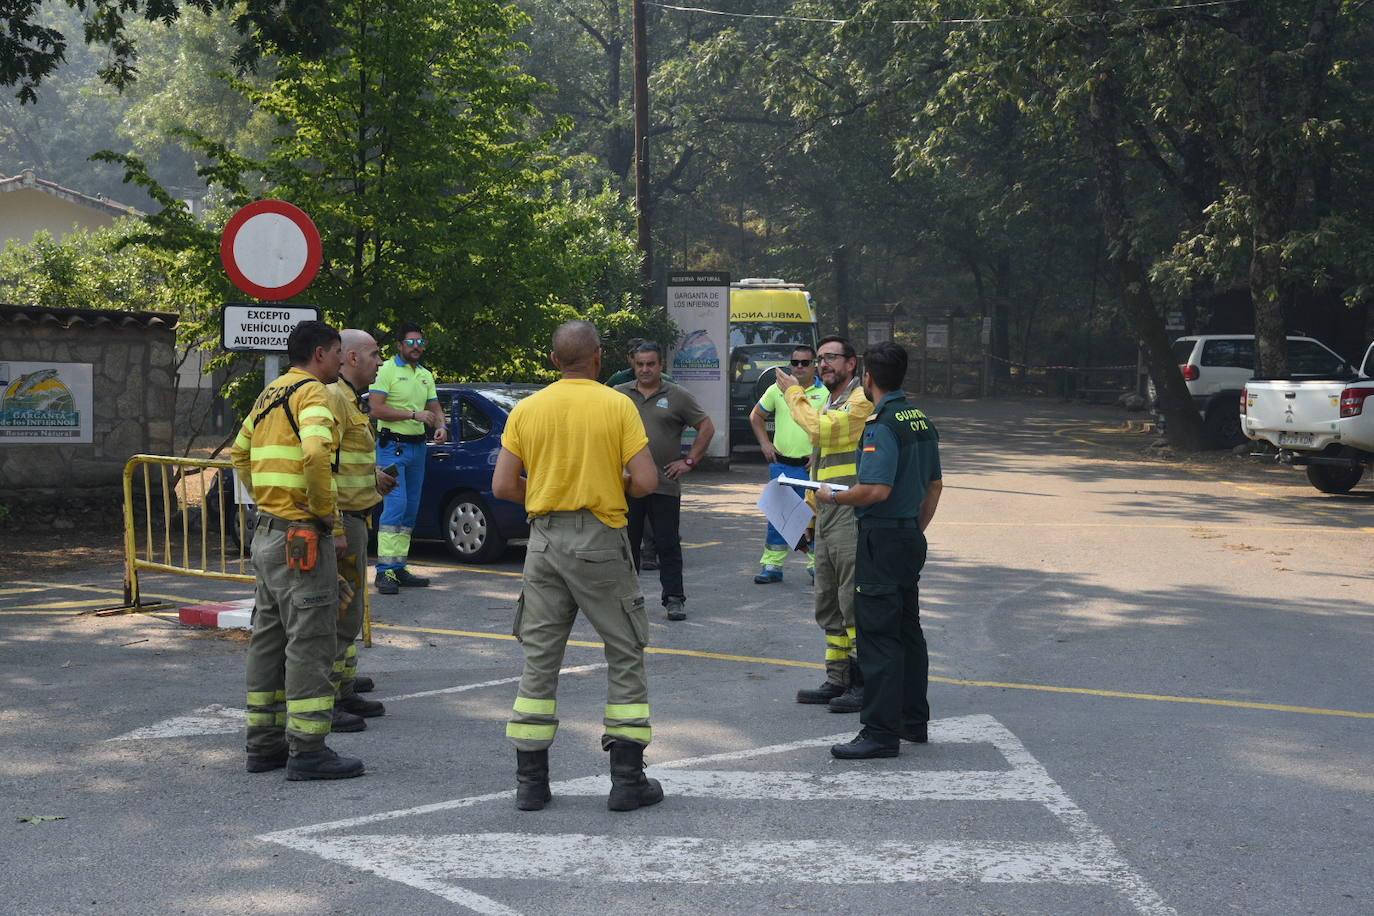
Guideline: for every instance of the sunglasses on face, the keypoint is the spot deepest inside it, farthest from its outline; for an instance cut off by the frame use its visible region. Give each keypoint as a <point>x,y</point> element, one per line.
<point>414,342</point>
<point>801,362</point>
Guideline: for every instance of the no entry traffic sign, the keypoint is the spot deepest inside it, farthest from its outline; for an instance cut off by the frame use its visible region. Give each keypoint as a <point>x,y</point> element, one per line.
<point>271,250</point>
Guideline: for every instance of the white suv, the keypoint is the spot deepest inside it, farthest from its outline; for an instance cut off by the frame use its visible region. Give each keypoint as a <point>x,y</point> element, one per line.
<point>1217,366</point>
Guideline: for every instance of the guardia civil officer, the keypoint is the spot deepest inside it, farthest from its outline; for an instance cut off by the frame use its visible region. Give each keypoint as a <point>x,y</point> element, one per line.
<point>898,490</point>
<point>581,445</point>
<point>284,454</point>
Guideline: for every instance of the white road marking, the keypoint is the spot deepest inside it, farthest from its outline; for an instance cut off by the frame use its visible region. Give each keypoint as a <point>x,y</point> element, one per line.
<point>211,720</point>
<point>434,862</point>
<point>223,720</point>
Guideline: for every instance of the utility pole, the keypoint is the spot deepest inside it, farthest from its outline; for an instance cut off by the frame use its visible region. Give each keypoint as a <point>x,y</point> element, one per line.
<point>643,224</point>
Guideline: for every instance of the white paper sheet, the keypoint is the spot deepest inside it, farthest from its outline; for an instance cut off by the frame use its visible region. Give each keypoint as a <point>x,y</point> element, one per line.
<point>811,484</point>
<point>785,510</point>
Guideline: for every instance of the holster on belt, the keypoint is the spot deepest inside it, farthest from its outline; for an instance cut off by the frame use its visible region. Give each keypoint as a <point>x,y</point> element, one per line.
<point>302,546</point>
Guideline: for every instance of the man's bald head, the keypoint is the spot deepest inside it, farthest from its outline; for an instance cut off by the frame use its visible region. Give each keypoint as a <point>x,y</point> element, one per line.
<point>356,340</point>
<point>575,345</point>
<point>361,357</point>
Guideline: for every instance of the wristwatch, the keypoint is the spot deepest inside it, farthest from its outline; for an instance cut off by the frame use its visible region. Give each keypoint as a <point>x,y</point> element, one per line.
<point>689,461</point>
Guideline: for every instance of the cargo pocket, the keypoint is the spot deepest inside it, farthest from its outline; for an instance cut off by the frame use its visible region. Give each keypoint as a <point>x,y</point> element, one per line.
<point>633,606</point>
<point>519,616</point>
<point>599,555</point>
<point>316,607</point>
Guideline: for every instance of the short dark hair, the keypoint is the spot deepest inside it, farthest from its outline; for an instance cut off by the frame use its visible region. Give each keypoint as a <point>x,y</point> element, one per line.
<point>807,347</point>
<point>885,364</point>
<point>632,344</point>
<point>646,346</point>
<point>407,327</point>
<point>847,347</point>
<point>300,346</point>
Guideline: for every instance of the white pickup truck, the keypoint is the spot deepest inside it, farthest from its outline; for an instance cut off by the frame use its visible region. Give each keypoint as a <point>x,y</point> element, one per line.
<point>1322,425</point>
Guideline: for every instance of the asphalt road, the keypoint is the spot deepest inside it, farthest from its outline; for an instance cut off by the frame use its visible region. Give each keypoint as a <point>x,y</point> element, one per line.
<point>1151,689</point>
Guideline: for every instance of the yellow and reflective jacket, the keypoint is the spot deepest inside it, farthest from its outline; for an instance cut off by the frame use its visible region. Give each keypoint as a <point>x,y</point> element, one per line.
<point>835,430</point>
<point>285,470</point>
<point>357,473</point>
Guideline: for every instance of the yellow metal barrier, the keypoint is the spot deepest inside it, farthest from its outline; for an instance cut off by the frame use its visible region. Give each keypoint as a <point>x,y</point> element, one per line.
<point>187,493</point>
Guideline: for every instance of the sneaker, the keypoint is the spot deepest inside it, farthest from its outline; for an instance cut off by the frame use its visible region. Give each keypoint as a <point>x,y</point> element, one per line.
<point>322,764</point>
<point>344,721</point>
<point>387,584</point>
<point>767,574</point>
<point>410,580</point>
<point>262,763</point>
<point>674,608</point>
<point>363,684</point>
<point>648,563</point>
<point>366,709</point>
<point>864,747</point>
<point>821,695</point>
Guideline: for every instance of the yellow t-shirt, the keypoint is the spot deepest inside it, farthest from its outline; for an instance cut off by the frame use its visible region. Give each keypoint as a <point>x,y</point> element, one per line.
<point>575,438</point>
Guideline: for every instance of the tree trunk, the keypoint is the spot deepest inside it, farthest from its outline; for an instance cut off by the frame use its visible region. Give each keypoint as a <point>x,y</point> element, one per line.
<point>1183,424</point>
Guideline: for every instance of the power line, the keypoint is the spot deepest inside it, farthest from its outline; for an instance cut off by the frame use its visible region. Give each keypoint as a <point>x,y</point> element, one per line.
<point>971,21</point>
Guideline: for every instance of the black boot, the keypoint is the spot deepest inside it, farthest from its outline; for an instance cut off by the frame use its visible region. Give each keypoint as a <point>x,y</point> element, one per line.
<point>630,788</point>
<point>532,780</point>
<point>852,700</point>
<point>322,764</point>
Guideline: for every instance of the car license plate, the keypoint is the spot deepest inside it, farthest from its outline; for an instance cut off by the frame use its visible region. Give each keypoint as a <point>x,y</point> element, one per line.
<point>1299,440</point>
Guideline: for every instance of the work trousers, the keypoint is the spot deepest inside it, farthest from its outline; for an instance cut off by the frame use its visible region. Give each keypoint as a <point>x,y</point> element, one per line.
<point>664,513</point>
<point>835,541</point>
<point>352,567</point>
<point>775,547</point>
<point>892,647</point>
<point>402,504</point>
<point>291,652</point>
<point>574,561</point>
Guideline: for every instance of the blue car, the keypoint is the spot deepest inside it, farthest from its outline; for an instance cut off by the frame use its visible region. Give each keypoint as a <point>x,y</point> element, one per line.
<point>456,505</point>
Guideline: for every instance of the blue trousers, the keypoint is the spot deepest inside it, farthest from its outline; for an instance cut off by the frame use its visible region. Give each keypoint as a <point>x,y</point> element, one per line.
<point>401,505</point>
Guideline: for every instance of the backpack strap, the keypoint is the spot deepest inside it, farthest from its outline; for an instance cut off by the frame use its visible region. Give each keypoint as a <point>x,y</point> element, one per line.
<point>283,401</point>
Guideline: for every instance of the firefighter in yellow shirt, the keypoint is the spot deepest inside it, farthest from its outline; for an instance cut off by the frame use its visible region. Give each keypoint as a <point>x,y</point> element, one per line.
<point>361,485</point>
<point>284,454</point>
<point>835,430</point>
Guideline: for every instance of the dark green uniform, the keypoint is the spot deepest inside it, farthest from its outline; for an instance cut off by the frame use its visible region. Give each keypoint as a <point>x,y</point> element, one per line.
<point>900,448</point>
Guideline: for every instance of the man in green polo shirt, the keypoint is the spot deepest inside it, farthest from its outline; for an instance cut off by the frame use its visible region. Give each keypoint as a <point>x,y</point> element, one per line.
<point>403,401</point>
<point>788,452</point>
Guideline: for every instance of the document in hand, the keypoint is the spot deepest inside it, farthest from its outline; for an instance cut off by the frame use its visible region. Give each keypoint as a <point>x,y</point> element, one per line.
<point>811,484</point>
<point>786,511</point>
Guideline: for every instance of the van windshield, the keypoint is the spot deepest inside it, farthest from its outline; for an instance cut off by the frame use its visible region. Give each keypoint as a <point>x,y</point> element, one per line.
<point>745,333</point>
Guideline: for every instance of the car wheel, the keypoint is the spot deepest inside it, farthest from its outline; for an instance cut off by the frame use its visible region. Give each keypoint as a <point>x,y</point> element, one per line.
<point>1332,479</point>
<point>469,530</point>
<point>1223,426</point>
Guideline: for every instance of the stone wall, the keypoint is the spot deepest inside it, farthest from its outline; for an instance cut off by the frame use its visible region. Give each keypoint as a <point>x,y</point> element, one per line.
<point>133,356</point>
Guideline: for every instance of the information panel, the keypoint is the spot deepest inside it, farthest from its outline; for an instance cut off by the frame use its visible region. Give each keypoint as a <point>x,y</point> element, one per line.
<point>699,302</point>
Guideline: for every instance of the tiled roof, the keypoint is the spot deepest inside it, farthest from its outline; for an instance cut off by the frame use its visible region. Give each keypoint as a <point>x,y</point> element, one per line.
<point>22,315</point>
<point>27,180</point>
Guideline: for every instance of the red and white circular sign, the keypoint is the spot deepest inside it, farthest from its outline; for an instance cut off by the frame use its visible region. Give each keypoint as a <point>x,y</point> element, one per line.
<point>271,250</point>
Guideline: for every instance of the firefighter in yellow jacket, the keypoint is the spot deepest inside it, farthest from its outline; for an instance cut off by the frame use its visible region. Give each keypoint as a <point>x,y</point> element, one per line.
<point>361,485</point>
<point>285,454</point>
<point>835,431</point>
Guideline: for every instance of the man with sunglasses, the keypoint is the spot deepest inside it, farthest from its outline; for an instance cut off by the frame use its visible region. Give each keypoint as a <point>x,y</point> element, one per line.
<point>788,452</point>
<point>404,401</point>
<point>835,430</point>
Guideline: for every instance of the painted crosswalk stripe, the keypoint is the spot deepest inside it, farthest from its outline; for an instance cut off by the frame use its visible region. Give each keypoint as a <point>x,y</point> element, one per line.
<point>435,863</point>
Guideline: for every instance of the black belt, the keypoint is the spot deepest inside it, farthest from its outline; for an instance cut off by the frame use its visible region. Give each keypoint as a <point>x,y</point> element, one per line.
<point>416,439</point>
<point>363,514</point>
<point>277,523</point>
<point>792,462</point>
<point>868,521</point>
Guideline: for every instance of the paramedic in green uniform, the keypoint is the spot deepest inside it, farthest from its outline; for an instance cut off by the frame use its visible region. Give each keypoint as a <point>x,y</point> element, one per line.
<point>896,496</point>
